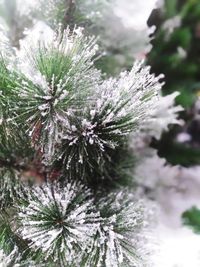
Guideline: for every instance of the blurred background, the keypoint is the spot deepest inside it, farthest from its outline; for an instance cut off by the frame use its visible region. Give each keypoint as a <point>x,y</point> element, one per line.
<point>175,52</point>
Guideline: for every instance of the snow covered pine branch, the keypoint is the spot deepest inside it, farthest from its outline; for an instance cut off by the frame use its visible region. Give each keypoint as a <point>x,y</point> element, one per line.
<point>63,130</point>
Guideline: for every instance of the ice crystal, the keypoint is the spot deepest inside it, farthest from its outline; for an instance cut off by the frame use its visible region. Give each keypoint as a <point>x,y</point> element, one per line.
<point>135,95</point>
<point>55,79</point>
<point>14,153</point>
<point>11,260</point>
<point>119,241</point>
<point>60,221</point>
<point>10,186</point>
<point>115,21</point>
<point>130,104</point>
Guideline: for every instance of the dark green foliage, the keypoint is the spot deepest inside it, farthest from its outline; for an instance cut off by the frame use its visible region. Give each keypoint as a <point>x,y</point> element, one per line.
<point>191,218</point>
<point>176,54</point>
<point>177,153</point>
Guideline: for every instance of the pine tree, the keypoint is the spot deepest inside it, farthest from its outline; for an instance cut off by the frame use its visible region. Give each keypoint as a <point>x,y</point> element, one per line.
<point>176,44</point>
<point>68,146</point>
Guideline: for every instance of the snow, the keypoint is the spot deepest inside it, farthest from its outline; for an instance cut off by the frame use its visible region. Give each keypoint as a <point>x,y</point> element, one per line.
<point>11,259</point>
<point>175,190</point>
<point>179,247</point>
<point>73,219</point>
<point>125,9</point>
<point>124,229</point>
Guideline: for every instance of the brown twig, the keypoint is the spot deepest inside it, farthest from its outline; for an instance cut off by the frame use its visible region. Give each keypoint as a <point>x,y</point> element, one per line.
<point>11,164</point>
<point>68,16</point>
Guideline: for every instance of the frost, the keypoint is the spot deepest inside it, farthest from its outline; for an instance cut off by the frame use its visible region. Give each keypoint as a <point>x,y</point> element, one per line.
<point>9,260</point>
<point>54,95</point>
<point>10,186</point>
<point>114,21</point>
<point>122,234</point>
<point>138,93</point>
<point>59,220</point>
<point>116,107</point>
<point>64,223</point>
<point>130,105</point>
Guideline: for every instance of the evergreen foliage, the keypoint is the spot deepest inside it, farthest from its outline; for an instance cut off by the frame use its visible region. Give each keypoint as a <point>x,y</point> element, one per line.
<point>66,149</point>
<point>176,54</point>
<point>191,218</point>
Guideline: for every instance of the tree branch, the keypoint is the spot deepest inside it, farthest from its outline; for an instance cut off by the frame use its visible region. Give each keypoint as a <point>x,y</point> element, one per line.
<point>70,9</point>
<point>11,164</point>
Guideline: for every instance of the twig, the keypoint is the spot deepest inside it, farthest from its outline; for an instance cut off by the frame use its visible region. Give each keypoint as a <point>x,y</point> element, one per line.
<point>70,9</point>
